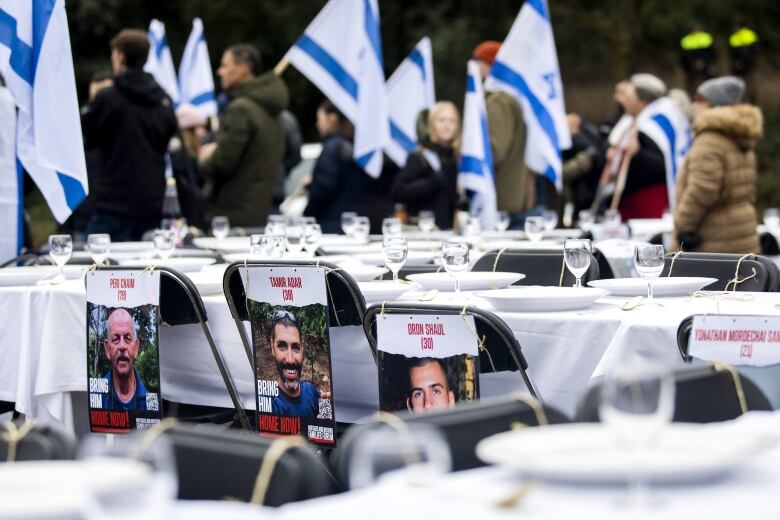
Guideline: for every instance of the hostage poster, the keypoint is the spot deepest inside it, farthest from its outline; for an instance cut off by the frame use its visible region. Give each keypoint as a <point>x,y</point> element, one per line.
<point>426,362</point>
<point>288,313</point>
<point>123,369</point>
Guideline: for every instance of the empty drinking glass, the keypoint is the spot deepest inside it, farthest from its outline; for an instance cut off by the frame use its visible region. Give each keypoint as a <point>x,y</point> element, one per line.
<point>455,259</point>
<point>427,221</point>
<point>502,221</point>
<point>60,249</point>
<point>586,220</point>
<point>294,235</point>
<point>347,222</point>
<point>220,227</point>
<point>649,262</point>
<point>275,225</point>
<point>266,247</point>
<point>534,228</point>
<point>312,236</point>
<point>612,217</point>
<point>164,242</point>
<point>361,227</point>
<point>473,226</point>
<point>550,217</point>
<point>395,250</point>
<point>772,218</point>
<point>576,254</point>
<point>99,246</point>
<point>392,227</point>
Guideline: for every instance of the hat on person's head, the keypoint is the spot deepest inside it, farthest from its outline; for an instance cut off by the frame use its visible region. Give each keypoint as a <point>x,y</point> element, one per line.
<point>648,87</point>
<point>722,91</point>
<point>486,51</point>
<point>189,117</point>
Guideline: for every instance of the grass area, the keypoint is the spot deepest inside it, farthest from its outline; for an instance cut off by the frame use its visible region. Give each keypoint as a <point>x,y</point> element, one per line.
<point>42,223</point>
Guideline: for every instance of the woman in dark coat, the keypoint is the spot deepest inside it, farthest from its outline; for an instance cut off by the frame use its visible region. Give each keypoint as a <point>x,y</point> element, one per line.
<point>428,181</point>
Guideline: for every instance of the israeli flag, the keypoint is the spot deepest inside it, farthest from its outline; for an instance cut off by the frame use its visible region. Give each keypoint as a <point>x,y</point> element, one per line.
<point>526,67</point>
<point>476,162</point>
<point>159,63</point>
<point>410,89</point>
<point>341,53</point>
<point>35,59</point>
<point>196,82</point>
<point>664,123</point>
<point>10,209</point>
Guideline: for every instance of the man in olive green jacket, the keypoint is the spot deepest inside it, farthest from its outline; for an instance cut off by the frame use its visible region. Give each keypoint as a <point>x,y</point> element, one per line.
<point>241,167</point>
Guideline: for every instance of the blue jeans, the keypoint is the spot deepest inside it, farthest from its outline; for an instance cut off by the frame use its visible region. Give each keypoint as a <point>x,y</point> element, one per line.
<point>121,229</point>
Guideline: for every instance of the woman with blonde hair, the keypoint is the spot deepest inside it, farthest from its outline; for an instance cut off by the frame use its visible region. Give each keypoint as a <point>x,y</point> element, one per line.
<point>428,181</point>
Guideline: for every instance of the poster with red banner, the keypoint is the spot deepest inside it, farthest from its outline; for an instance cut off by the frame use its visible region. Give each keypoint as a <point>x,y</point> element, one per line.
<point>288,313</point>
<point>123,369</point>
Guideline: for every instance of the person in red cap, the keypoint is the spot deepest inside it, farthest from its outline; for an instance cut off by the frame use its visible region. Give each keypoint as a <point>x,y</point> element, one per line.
<point>515,184</point>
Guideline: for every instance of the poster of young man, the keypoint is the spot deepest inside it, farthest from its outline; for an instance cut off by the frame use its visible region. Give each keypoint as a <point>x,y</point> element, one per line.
<point>288,312</point>
<point>426,362</point>
<point>123,369</point>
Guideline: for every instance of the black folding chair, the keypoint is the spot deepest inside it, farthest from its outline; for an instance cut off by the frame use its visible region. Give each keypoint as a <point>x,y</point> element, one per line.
<point>462,426</point>
<point>540,266</point>
<point>213,464</point>
<point>181,304</point>
<point>345,301</point>
<point>500,351</point>
<point>21,260</point>
<point>733,271</point>
<point>413,269</point>
<point>709,393</point>
<point>37,442</point>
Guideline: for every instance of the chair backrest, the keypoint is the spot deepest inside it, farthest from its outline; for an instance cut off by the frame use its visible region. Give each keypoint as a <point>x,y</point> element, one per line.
<point>756,273</point>
<point>702,395</point>
<point>345,301</point>
<point>21,260</point>
<point>42,442</point>
<point>540,266</point>
<point>501,352</point>
<point>605,270</point>
<point>214,464</point>
<point>413,269</point>
<point>462,427</point>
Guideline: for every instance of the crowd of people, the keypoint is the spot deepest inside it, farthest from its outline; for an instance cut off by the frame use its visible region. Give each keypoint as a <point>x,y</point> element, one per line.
<point>237,168</point>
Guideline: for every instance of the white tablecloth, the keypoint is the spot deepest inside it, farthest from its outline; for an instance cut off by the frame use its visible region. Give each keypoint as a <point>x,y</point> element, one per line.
<point>42,350</point>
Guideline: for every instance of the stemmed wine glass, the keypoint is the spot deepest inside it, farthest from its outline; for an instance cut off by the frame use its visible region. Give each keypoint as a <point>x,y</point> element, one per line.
<point>395,249</point>
<point>637,402</point>
<point>294,238</point>
<point>649,262</point>
<point>220,227</point>
<point>60,249</point>
<point>534,228</point>
<point>99,246</point>
<point>550,217</point>
<point>275,225</point>
<point>361,228</point>
<point>427,221</point>
<point>502,221</point>
<point>391,227</point>
<point>347,222</point>
<point>772,219</point>
<point>312,236</point>
<point>455,259</point>
<point>473,226</point>
<point>266,247</point>
<point>576,254</point>
<point>164,242</point>
<point>586,220</point>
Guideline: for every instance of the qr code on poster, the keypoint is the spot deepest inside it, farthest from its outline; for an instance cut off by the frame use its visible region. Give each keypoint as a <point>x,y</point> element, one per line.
<point>326,411</point>
<point>152,404</point>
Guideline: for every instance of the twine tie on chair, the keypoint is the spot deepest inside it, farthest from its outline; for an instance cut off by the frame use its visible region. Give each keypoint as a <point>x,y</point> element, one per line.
<point>272,456</point>
<point>409,455</point>
<point>736,281</point>
<point>498,255</point>
<point>536,406</point>
<point>14,435</point>
<point>563,270</point>
<point>480,341</point>
<point>720,366</point>
<point>671,265</point>
<point>152,434</point>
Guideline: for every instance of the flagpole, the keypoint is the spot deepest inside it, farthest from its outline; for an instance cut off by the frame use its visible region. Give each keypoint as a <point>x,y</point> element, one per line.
<point>281,66</point>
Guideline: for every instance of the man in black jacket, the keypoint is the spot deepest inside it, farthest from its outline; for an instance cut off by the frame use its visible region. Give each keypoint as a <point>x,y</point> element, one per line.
<point>130,124</point>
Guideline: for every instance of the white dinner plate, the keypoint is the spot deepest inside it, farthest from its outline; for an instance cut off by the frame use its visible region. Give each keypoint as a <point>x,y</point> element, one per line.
<point>666,286</point>
<point>413,258</point>
<point>469,281</point>
<point>134,247</point>
<point>229,244</point>
<point>30,275</point>
<point>208,282</point>
<point>384,290</point>
<point>541,299</point>
<point>363,273</point>
<point>186,265</point>
<point>591,453</point>
<point>490,245</point>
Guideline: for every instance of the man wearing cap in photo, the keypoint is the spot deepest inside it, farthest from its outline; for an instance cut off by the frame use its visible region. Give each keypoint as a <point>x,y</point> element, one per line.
<point>515,184</point>
<point>716,186</point>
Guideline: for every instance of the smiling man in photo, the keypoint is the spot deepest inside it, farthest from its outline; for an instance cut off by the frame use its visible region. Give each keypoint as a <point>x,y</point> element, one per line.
<point>127,391</point>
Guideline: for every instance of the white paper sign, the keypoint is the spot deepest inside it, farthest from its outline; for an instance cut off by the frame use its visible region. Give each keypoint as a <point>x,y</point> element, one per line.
<point>123,288</point>
<point>285,285</point>
<point>738,340</point>
<point>427,335</point>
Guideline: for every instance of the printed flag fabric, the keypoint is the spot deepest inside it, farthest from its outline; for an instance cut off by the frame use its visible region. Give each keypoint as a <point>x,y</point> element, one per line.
<point>159,63</point>
<point>196,82</point>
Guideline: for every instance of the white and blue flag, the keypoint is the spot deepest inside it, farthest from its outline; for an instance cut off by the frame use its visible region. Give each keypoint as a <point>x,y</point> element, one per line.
<point>36,62</point>
<point>526,67</point>
<point>10,183</point>
<point>410,89</point>
<point>668,127</point>
<point>159,63</point>
<point>476,161</point>
<point>196,82</point>
<point>341,53</point>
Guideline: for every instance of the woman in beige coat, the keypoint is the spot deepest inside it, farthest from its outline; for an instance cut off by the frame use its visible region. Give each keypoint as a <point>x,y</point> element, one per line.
<point>716,187</point>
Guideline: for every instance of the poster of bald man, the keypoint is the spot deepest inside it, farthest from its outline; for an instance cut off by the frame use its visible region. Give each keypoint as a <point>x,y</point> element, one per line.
<point>123,369</point>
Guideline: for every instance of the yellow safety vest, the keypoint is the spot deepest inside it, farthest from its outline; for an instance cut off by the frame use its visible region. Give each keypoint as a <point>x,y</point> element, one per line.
<point>743,38</point>
<point>696,40</point>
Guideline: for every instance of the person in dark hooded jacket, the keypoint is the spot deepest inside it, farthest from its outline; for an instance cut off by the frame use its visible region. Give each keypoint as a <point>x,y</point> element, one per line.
<point>130,124</point>
<point>241,167</point>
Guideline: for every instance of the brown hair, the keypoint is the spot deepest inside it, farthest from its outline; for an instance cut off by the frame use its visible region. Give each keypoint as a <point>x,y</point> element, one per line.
<point>344,126</point>
<point>134,44</point>
<point>433,112</point>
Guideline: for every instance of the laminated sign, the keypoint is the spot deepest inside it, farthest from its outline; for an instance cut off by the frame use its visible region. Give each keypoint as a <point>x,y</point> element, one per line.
<point>737,340</point>
<point>123,367</point>
<point>426,362</point>
<point>288,312</point>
